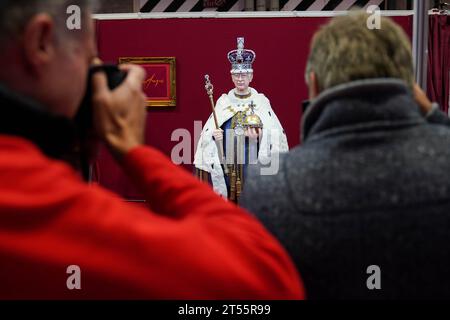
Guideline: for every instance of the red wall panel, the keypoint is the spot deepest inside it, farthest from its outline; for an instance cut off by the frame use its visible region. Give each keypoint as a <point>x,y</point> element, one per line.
<point>200,46</point>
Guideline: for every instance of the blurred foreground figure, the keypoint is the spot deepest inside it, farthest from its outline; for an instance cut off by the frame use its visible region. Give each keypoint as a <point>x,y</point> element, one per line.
<point>363,205</point>
<point>192,245</point>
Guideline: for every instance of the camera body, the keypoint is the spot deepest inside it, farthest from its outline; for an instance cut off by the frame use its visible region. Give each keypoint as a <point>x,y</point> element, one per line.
<point>115,76</point>
<point>88,141</point>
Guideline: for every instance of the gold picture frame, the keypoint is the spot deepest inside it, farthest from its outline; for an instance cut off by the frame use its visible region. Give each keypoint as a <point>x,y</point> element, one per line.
<point>160,83</point>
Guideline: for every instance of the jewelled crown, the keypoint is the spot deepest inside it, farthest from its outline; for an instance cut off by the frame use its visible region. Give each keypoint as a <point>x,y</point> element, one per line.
<point>241,59</point>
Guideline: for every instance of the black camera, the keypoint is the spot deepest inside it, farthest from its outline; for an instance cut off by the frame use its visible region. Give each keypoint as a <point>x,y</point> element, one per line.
<point>88,141</point>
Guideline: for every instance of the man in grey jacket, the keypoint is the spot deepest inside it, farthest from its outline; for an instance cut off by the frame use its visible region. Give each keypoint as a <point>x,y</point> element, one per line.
<point>363,205</point>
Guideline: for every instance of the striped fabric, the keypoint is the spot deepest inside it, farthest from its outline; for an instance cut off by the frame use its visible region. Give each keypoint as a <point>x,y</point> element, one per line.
<point>238,5</point>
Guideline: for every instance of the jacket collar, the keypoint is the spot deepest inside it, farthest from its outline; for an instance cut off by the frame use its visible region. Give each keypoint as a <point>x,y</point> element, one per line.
<point>359,105</point>
<point>20,116</point>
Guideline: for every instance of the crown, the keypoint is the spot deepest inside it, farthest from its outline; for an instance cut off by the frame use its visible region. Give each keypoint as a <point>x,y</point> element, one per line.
<point>241,59</point>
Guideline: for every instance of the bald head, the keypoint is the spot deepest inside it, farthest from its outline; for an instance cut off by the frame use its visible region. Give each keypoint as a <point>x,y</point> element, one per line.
<point>43,56</point>
<point>14,15</point>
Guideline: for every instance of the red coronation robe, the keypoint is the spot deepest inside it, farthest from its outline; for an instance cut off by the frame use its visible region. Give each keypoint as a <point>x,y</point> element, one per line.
<point>191,244</point>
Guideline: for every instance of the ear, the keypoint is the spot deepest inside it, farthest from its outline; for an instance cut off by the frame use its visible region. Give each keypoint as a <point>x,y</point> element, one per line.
<point>39,42</point>
<point>313,85</point>
<point>250,77</point>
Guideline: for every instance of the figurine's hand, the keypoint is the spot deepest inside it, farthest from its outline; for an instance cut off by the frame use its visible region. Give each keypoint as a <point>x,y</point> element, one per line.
<point>253,133</point>
<point>218,134</point>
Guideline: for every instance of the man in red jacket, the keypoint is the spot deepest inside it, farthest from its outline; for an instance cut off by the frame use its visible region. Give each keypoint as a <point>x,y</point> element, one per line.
<point>59,237</point>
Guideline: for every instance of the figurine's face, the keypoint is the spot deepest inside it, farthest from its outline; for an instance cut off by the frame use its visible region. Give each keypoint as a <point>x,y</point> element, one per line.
<point>242,81</point>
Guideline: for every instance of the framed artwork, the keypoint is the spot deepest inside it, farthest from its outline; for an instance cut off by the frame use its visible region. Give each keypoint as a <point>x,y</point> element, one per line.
<point>160,83</point>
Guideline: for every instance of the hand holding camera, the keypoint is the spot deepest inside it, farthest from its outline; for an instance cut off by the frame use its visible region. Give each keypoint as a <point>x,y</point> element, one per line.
<point>119,114</point>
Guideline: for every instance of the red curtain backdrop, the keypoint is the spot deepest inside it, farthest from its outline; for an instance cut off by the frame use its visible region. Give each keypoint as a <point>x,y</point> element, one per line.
<point>200,47</point>
<point>438,82</point>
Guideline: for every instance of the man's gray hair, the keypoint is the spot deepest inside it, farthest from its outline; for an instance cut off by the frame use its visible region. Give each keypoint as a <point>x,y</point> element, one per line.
<point>14,14</point>
<point>345,50</point>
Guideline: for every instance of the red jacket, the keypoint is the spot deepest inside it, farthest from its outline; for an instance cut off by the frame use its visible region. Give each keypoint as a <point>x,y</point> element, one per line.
<point>190,245</point>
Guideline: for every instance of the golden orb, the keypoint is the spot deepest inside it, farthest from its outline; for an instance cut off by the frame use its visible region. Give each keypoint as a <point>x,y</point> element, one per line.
<point>253,121</point>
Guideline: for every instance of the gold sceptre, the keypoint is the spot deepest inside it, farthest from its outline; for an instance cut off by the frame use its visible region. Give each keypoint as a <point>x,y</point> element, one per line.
<point>209,90</point>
